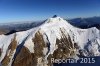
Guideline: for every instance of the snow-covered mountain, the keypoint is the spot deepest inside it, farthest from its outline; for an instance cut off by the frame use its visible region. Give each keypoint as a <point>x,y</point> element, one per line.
<point>55,38</point>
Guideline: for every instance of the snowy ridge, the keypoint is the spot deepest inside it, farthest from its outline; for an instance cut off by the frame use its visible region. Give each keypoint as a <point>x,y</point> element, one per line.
<point>87,39</point>
<point>4,43</point>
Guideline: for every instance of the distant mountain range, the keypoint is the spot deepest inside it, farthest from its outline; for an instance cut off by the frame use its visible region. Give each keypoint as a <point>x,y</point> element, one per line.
<point>7,28</point>
<point>86,22</point>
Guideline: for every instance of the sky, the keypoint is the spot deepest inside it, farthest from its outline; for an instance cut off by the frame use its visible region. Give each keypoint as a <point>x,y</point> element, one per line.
<point>35,10</point>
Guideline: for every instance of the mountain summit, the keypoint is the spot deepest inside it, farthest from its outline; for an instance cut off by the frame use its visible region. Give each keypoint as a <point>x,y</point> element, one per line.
<point>55,38</point>
<point>55,19</point>
<point>54,16</point>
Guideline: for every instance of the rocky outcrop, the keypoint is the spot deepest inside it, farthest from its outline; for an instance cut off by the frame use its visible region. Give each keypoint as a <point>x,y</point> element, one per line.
<point>65,49</point>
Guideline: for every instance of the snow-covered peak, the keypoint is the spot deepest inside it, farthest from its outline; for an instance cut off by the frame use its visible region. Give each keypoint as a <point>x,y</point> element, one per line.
<point>55,19</point>
<point>56,35</point>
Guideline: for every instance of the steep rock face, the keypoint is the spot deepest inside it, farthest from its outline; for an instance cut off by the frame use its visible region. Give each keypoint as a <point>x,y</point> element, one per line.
<point>56,38</point>
<point>26,58</point>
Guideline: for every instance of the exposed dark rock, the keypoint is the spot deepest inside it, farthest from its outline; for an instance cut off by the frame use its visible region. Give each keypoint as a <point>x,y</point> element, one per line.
<point>54,16</point>
<point>11,32</point>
